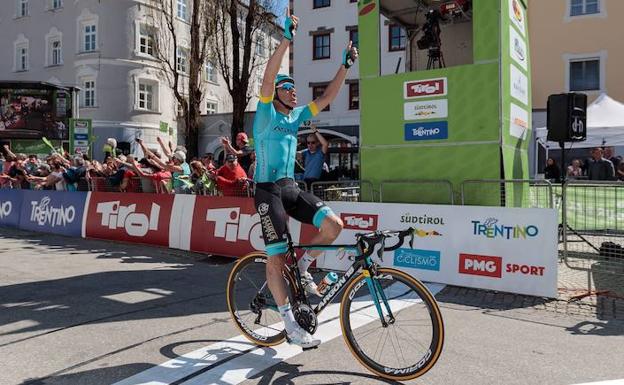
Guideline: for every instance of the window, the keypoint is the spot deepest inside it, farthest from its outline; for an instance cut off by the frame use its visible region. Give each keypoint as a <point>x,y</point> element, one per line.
<point>88,93</point>
<point>211,71</point>
<point>211,108</point>
<point>90,37</point>
<point>354,96</point>
<point>321,46</point>
<point>317,92</point>
<point>354,36</point>
<point>182,56</point>
<point>396,36</point>
<point>322,3</point>
<point>146,96</point>
<point>585,75</point>
<point>56,53</point>
<point>22,8</point>
<point>584,7</point>
<point>56,4</point>
<point>260,46</point>
<point>146,39</point>
<point>182,10</point>
<point>21,57</point>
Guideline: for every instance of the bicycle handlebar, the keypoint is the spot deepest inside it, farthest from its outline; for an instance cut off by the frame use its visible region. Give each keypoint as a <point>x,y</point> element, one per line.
<point>368,241</point>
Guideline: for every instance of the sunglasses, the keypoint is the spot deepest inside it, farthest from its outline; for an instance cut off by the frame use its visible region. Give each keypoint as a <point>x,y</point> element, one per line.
<point>287,86</point>
<point>312,142</point>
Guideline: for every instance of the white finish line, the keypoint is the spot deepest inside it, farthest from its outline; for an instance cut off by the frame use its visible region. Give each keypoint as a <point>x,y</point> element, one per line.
<point>243,359</point>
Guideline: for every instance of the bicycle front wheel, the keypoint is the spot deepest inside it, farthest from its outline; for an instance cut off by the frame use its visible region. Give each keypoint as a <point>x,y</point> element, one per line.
<point>251,304</point>
<point>409,341</point>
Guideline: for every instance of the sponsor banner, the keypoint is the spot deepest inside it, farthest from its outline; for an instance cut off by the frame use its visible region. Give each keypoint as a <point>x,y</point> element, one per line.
<point>518,48</point>
<point>426,131</point>
<point>10,207</point>
<point>519,85</point>
<point>138,218</point>
<point>425,88</point>
<point>506,249</point>
<point>517,14</point>
<point>430,109</point>
<point>54,212</point>
<point>231,227</point>
<point>519,121</point>
<point>359,221</point>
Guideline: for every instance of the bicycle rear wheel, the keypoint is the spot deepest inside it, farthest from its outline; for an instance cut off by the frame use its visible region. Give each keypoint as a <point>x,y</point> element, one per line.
<point>250,302</point>
<point>411,342</point>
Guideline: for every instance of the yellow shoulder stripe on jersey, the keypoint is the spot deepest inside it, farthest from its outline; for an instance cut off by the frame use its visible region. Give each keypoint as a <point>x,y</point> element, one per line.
<point>313,108</point>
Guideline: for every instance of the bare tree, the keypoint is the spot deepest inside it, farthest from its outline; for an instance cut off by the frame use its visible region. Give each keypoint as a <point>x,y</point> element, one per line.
<point>181,64</point>
<point>238,28</point>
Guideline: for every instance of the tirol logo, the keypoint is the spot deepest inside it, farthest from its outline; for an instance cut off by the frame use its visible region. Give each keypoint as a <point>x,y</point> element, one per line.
<point>491,228</point>
<point>417,259</point>
<point>43,213</point>
<point>426,131</point>
<point>425,88</point>
<point>366,6</point>
<point>481,265</point>
<point>359,221</point>
<point>5,209</point>
<point>116,216</point>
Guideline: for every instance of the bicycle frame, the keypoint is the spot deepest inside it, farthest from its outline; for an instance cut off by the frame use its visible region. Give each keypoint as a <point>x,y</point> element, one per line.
<point>361,263</point>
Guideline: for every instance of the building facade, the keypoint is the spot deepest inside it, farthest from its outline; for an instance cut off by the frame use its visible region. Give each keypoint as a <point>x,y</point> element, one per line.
<point>106,49</point>
<point>575,47</point>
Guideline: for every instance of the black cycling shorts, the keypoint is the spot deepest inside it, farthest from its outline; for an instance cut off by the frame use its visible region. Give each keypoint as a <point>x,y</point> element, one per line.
<point>276,201</point>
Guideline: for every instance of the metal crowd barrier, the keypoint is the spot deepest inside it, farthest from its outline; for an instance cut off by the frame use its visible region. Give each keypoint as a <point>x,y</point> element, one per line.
<point>593,228</point>
<point>508,193</point>
<point>344,191</point>
<point>422,191</point>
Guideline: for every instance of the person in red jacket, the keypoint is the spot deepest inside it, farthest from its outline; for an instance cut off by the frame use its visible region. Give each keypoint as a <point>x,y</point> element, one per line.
<point>231,178</point>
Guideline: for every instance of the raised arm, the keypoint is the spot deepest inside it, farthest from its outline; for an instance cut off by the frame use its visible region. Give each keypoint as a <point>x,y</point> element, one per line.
<point>349,56</point>
<point>324,143</point>
<point>228,147</point>
<point>9,154</point>
<point>274,63</point>
<point>166,149</point>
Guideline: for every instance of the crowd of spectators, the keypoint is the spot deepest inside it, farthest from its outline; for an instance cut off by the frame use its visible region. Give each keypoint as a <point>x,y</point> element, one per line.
<point>602,165</point>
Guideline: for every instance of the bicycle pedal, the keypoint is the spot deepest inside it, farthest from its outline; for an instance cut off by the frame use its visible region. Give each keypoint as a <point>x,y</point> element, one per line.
<point>310,348</point>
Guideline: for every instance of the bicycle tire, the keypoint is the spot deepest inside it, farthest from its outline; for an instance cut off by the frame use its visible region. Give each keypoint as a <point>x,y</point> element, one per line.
<point>421,364</point>
<point>257,260</point>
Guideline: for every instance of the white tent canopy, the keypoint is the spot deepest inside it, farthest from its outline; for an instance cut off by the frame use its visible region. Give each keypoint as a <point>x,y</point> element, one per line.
<point>605,125</point>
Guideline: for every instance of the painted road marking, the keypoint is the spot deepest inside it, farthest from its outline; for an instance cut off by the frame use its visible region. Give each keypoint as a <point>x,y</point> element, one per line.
<point>235,360</point>
<point>612,382</point>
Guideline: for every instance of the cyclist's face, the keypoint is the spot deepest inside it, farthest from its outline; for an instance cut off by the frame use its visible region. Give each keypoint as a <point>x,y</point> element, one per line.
<point>288,94</point>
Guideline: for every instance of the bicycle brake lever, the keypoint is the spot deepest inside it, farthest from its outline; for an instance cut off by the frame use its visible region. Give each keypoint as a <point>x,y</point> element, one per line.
<point>411,241</point>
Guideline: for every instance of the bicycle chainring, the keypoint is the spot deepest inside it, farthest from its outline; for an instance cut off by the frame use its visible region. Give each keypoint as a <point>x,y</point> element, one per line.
<point>306,318</point>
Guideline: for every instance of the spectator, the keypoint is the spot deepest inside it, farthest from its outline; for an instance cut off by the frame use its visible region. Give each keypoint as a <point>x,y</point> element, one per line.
<point>552,172</point>
<point>243,150</point>
<point>313,157</point>
<point>18,172</point>
<point>177,166</point>
<point>110,148</point>
<point>231,178</point>
<point>75,175</point>
<point>201,178</point>
<point>609,153</point>
<point>32,164</point>
<point>154,173</point>
<point>600,168</point>
<point>208,161</point>
<point>620,172</point>
<point>574,169</point>
<point>252,168</point>
<point>56,177</point>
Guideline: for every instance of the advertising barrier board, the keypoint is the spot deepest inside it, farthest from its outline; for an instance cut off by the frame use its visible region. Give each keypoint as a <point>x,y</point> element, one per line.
<point>10,207</point>
<point>506,249</point>
<point>54,212</point>
<point>138,218</point>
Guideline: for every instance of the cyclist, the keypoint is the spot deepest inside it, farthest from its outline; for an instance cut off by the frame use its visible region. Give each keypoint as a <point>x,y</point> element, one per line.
<point>275,129</point>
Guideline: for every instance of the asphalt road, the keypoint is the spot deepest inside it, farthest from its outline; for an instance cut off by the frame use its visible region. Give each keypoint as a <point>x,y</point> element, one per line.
<point>85,312</point>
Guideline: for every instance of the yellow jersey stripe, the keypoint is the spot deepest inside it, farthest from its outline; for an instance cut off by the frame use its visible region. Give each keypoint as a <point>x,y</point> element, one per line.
<point>313,108</point>
<point>266,99</point>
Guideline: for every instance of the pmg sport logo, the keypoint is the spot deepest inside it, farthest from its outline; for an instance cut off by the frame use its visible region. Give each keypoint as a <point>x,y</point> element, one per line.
<point>481,265</point>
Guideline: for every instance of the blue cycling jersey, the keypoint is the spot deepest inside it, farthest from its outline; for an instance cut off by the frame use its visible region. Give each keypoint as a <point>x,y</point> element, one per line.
<point>275,139</point>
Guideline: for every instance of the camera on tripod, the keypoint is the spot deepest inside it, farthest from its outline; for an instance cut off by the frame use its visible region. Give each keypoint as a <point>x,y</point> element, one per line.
<point>431,30</point>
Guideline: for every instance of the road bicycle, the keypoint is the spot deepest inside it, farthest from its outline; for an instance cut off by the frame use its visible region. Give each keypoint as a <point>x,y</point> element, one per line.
<point>390,321</point>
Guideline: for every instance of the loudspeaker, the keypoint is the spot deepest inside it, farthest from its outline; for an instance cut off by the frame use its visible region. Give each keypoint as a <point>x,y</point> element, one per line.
<point>567,117</point>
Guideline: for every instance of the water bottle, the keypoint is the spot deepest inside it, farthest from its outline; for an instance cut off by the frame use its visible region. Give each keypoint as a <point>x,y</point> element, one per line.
<point>327,282</point>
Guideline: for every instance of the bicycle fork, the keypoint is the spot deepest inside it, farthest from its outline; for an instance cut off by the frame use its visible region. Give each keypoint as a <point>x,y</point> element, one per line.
<point>376,293</point>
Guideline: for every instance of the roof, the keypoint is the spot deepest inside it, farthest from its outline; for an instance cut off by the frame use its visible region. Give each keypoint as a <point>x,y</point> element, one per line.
<point>33,85</point>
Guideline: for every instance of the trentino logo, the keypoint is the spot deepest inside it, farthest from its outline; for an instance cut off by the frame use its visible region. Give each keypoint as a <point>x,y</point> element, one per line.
<point>426,131</point>
<point>491,228</point>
